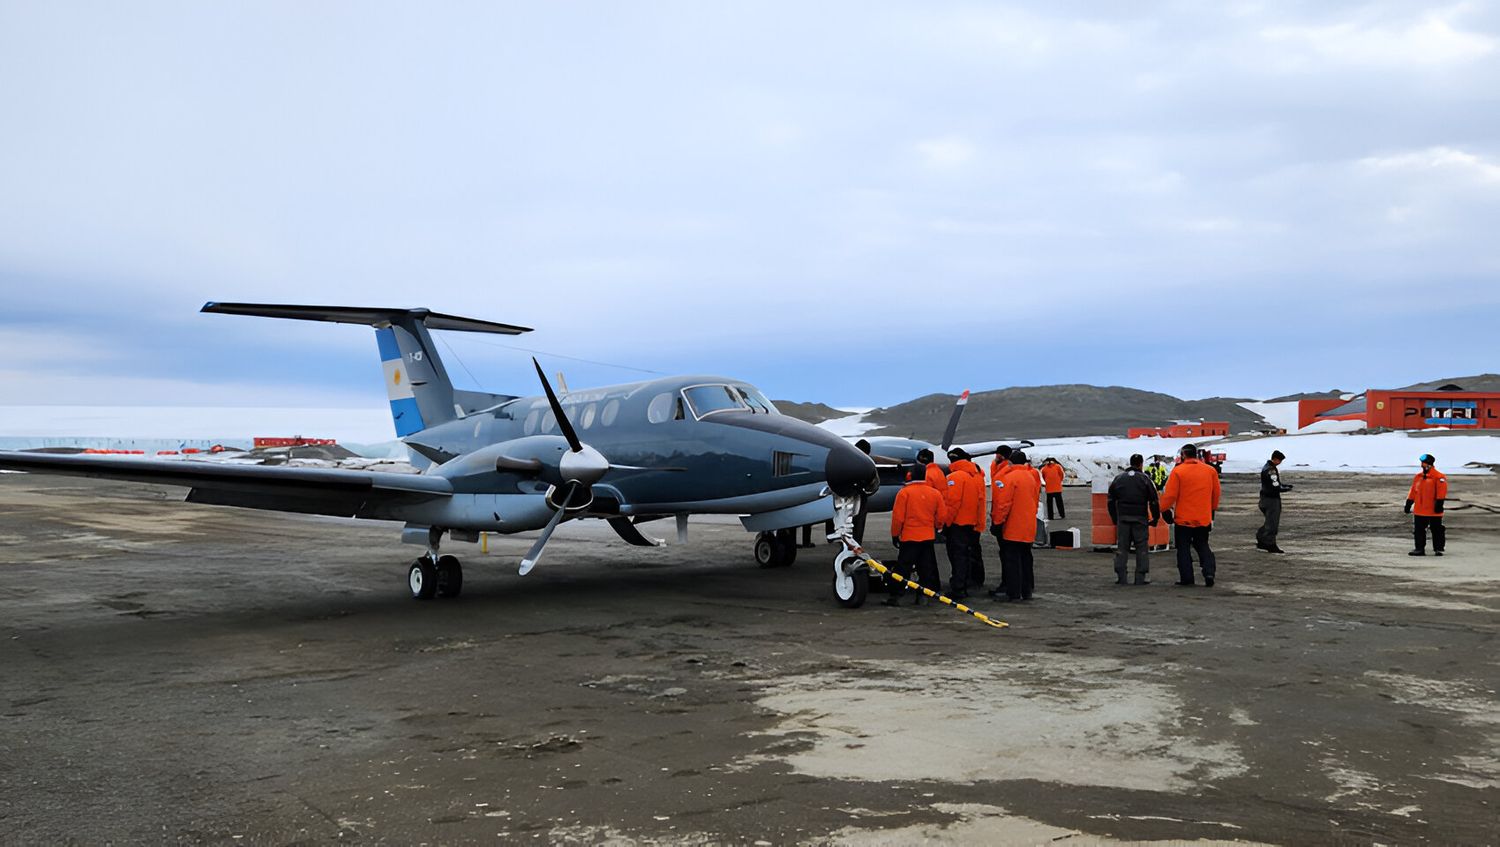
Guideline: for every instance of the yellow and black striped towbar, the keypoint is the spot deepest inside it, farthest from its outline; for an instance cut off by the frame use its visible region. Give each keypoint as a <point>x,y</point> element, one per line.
<point>882,569</point>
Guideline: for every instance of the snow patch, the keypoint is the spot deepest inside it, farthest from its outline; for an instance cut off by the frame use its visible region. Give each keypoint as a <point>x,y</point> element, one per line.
<point>850,426</point>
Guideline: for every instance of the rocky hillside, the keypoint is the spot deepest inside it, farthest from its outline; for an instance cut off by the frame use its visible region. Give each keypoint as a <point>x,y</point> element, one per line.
<point>1056,410</point>
<point>814,413</point>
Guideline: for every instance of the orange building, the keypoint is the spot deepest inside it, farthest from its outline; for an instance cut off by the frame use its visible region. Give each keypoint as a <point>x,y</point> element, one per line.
<point>1405,408</point>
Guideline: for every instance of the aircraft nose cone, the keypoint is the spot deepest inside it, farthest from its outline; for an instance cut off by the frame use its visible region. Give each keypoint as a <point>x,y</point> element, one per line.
<point>850,471</point>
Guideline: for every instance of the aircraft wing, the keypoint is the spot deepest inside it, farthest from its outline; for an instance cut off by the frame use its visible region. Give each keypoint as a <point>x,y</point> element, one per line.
<point>319,491</point>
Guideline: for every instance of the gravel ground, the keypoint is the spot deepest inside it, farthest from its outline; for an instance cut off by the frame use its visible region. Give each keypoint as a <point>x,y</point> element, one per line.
<point>179,673</point>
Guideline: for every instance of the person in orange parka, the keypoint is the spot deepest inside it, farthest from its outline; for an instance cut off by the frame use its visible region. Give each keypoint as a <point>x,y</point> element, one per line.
<point>934,475</point>
<point>916,518</point>
<point>1013,517</point>
<point>1424,502</point>
<point>999,467</point>
<point>1052,478</point>
<point>1190,500</point>
<point>963,512</point>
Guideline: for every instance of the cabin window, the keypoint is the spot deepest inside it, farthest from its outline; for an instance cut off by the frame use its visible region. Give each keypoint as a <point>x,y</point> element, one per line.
<point>611,411</point>
<point>707,399</point>
<point>589,412</point>
<point>549,422</point>
<point>533,420</point>
<point>661,407</point>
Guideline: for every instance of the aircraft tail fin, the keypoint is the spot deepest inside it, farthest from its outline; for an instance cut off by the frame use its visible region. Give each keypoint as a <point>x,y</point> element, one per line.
<point>416,382</point>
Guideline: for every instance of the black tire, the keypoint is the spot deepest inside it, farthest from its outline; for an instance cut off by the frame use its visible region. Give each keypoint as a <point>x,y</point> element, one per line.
<point>857,589</point>
<point>788,552</point>
<point>450,577</point>
<point>421,579</point>
<point>767,551</point>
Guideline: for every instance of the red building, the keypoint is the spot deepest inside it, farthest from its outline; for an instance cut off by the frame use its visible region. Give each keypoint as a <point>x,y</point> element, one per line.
<point>1206,429</point>
<point>1420,407</point>
<point>262,442</point>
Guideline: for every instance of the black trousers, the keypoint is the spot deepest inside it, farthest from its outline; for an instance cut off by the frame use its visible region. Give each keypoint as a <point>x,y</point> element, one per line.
<point>1019,576</point>
<point>961,543</point>
<point>976,559</point>
<point>1136,533</point>
<point>1188,539</point>
<point>921,557</point>
<point>1419,525</point>
<point>1000,549</point>
<point>1271,508</point>
<point>1055,498</point>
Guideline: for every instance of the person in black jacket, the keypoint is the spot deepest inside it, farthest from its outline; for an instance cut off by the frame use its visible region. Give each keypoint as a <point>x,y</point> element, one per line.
<point>1132,504</point>
<point>1270,504</point>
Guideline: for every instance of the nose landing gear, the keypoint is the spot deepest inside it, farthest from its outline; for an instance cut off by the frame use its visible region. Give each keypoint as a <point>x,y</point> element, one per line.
<point>851,579</point>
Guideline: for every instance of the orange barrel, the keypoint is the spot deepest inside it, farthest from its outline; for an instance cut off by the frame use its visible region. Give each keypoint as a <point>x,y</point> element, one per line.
<point>1160,535</point>
<point>1103,530</point>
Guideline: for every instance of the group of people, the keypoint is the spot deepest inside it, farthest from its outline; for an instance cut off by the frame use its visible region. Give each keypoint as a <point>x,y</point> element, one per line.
<point>1190,498</point>
<point>933,505</point>
<point>954,505</point>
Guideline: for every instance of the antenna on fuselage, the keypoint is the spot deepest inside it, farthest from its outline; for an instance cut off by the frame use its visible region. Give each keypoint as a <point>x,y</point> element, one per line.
<point>563,381</point>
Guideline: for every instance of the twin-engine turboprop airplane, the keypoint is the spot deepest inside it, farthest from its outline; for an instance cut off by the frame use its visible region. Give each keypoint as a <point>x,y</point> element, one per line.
<point>668,447</point>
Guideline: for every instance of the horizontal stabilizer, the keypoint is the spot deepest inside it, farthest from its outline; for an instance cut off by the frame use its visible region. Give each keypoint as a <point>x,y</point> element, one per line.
<point>364,316</point>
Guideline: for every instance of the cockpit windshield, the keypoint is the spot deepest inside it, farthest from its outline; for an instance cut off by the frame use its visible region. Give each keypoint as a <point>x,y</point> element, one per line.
<point>707,399</point>
<point>757,401</point>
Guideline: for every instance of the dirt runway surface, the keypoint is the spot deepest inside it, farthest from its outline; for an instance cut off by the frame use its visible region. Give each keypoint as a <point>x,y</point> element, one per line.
<point>178,673</point>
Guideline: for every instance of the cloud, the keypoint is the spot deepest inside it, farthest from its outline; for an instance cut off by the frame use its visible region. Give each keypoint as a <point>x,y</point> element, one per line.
<point>696,189</point>
<point>1436,160</point>
<point>946,153</point>
<point>1433,40</point>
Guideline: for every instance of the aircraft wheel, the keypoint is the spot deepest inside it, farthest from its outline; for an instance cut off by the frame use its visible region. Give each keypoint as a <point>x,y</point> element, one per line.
<point>422,579</point>
<point>851,589</point>
<point>767,550</point>
<point>450,576</point>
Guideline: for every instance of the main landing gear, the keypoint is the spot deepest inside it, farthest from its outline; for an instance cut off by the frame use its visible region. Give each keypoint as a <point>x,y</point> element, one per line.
<point>776,549</point>
<point>440,577</point>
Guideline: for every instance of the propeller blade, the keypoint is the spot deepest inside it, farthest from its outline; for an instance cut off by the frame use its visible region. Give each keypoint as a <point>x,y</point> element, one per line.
<point>958,410</point>
<point>535,553</point>
<point>557,410</point>
<point>626,530</point>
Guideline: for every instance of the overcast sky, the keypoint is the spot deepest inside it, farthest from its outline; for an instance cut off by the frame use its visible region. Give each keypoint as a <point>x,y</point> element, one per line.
<point>857,203</point>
